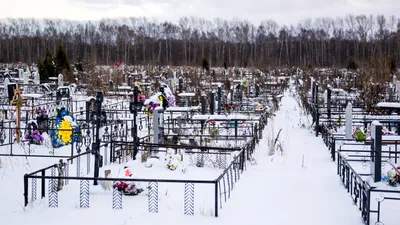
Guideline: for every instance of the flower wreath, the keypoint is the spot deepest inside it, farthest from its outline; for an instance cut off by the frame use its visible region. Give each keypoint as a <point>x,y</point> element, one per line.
<point>65,130</point>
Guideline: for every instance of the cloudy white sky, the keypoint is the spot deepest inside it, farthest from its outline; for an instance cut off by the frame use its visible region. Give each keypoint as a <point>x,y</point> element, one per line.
<point>283,11</point>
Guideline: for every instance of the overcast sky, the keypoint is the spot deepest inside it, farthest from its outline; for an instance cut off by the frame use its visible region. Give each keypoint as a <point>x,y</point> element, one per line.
<point>283,11</point>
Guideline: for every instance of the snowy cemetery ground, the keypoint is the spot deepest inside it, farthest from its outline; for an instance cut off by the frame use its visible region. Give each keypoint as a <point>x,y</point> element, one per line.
<point>204,205</point>
<point>189,161</point>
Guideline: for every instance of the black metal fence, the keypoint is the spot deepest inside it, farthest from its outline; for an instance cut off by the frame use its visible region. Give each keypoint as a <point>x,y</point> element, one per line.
<point>53,178</point>
<point>368,199</point>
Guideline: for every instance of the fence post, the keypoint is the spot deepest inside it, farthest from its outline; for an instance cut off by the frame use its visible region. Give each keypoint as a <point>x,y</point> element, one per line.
<point>333,149</point>
<point>216,198</point>
<point>329,93</point>
<point>26,189</point>
<point>43,184</point>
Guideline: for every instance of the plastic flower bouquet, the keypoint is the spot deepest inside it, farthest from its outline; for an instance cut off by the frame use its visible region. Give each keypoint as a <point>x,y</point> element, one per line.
<point>34,138</point>
<point>65,129</point>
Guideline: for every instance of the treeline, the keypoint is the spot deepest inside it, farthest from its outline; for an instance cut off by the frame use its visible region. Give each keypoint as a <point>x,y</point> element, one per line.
<point>319,42</point>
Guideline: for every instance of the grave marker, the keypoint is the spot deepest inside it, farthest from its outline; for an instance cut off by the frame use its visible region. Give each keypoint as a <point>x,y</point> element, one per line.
<point>6,82</point>
<point>328,102</point>
<point>212,103</point>
<point>36,77</point>
<point>180,84</point>
<point>20,73</point>
<point>60,80</point>
<point>349,121</point>
<point>376,151</point>
<point>17,101</point>
<point>203,104</point>
<point>26,77</point>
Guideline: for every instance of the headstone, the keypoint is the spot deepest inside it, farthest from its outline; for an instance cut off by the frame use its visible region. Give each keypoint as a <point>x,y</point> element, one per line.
<point>111,73</point>
<point>397,90</point>
<point>203,104</point>
<point>43,123</point>
<point>328,102</point>
<point>90,109</point>
<point>60,80</point>
<point>212,103</point>
<point>20,73</point>
<point>158,130</point>
<point>26,77</point>
<point>36,77</point>
<point>257,90</point>
<point>394,82</point>
<point>6,82</point>
<point>355,81</point>
<point>10,89</point>
<point>349,121</point>
<point>376,151</point>
<point>312,88</point>
<point>231,95</point>
<point>390,92</point>
<point>180,84</point>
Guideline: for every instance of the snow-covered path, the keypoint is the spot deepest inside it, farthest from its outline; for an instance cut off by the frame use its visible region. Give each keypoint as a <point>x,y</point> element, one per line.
<point>281,190</point>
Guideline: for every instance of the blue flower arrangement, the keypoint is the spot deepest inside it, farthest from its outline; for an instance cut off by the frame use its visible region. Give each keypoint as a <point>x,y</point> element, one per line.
<point>65,129</point>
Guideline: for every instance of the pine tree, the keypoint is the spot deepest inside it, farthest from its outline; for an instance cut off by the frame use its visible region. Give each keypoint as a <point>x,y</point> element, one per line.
<point>46,68</point>
<point>352,65</point>
<point>62,64</point>
<point>205,64</point>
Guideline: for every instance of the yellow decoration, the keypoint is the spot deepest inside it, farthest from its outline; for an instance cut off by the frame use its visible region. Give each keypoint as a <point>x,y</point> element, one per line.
<point>160,97</point>
<point>65,131</point>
